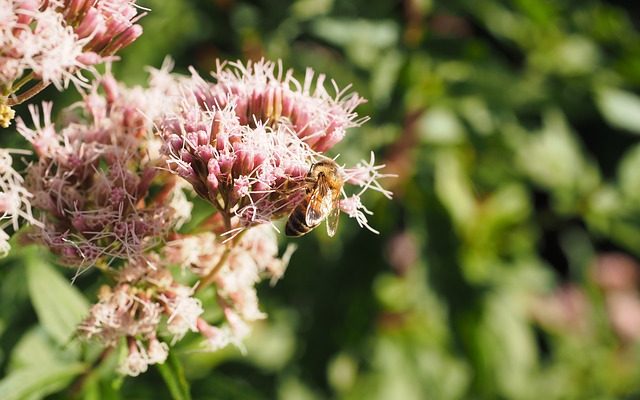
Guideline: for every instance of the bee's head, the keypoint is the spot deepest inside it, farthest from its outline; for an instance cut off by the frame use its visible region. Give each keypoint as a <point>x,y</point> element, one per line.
<point>326,167</point>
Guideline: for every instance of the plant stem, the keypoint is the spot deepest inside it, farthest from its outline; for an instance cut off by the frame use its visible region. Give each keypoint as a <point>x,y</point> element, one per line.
<point>27,94</point>
<point>208,279</point>
<point>20,83</point>
<point>78,384</point>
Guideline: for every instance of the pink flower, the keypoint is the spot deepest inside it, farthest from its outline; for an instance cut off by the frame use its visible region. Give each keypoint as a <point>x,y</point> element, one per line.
<point>261,93</point>
<point>121,311</point>
<point>145,294</point>
<point>15,199</point>
<point>367,175</point>
<point>37,40</point>
<point>183,309</point>
<point>252,258</point>
<point>136,362</point>
<point>139,358</point>
<point>246,142</point>
<point>92,179</point>
<point>215,338</point>
<point>353,207</point>
<point>52,41</point>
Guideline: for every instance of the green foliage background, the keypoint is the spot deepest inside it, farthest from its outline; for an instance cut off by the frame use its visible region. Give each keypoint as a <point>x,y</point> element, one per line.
<point>513,127</point>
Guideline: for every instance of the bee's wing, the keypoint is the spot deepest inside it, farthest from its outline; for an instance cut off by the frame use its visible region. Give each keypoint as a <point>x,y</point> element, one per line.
<point>320,203</point>
<point>333,217</point>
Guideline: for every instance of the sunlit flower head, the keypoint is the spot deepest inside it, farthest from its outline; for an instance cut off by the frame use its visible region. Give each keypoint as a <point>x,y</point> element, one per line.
<point>247,141</point>
<point>93,175</point>
<point>144,295</point>
<point>237,270</point>
<point>53,41</point>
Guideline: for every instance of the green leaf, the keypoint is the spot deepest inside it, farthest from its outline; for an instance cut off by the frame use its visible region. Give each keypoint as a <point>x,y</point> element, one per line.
<point>173,374</point>
<point>453,187</point>
<point>60,306</point>
<point>37,381</point>
<point>620,108</point>
<point>629,175</point>
<point>440,125</point>
<point>362,39</point>
<point>34,348</point>
<point>306,9</point>
<point>384,76</point>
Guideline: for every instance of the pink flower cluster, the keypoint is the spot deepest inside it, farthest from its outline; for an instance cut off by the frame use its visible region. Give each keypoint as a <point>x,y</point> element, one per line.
<point>50,41</point>
<point>103,194</point>
<point>253,258</point>
<point>247,141</point>
<point>92,179</point>
<point>146,296</point>
<point>106,188</point>
<point>14,199</point>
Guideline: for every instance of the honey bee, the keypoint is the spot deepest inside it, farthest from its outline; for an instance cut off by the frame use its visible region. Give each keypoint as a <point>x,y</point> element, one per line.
<point>324,184</point>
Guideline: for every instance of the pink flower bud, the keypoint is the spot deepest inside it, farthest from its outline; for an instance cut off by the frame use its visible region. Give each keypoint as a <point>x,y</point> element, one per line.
<point>192,139</point>
<point>287,102</point>
<point>213,166</point>
<point>89,58</point>
<point>90,23</point>
<point>24,10</point>
<point>222,141</point>
<point>98,32</point>
<point>175,143</point>
<point>80,223</point>
<point>117,196</point>
<point>204,153</point>
<point>204,328</point>
<point>259,190</point>
<point>68,251</point>
<point>243,164</point>
<point>242,110</point>
<point>186,171</point>
<point>186,156</point>
<point>110,87</point>
<point>203,138</point>
<point>117,26</point>
<point>329,140</point>
<point>212,182</point>
<point>124,40</point>
<point>225,161</point>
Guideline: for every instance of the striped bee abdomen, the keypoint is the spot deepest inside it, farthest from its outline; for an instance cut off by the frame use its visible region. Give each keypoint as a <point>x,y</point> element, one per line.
<point>296,224</point>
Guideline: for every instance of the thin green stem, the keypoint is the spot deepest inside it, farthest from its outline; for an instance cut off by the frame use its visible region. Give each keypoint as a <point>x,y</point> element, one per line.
<point>211,276</point>
<point>27,94</point>
<point>78,385</point>
<point>208,280</point>
<point>20,83</point>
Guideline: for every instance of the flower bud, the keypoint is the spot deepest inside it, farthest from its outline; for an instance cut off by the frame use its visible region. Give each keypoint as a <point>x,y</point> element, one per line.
<point>90,23</point>
<point>123,40</point>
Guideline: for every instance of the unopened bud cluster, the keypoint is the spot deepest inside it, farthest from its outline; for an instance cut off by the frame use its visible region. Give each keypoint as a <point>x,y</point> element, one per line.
<point>46,42</point>
<point>247,141</point>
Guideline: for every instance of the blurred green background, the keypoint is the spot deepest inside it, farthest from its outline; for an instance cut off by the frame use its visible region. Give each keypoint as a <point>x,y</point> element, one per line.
<point>506,267</point>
